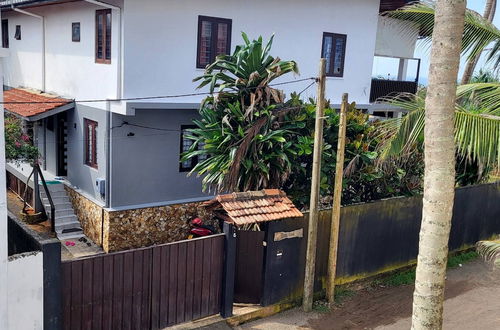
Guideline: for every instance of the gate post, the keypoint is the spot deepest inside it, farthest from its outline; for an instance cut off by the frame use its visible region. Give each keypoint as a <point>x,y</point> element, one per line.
<point>229,270</point>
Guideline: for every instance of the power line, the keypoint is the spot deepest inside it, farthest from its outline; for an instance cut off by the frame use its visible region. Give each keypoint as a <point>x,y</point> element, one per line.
<point>154,97</point>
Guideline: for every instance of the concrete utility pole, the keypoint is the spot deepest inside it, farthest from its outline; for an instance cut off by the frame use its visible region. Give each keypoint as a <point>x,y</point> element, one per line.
<point>312,235</point>
<point>337,195</point>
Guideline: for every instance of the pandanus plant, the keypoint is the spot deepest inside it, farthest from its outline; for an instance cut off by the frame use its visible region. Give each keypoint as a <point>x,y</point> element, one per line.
<point>238,140</point>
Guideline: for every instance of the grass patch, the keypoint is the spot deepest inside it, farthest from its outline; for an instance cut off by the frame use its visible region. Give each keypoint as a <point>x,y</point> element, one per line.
<point>397,279</point>
<point>321,306</point>
<point>341,293</point>
<point>461,259</point>
<point>408,277</point>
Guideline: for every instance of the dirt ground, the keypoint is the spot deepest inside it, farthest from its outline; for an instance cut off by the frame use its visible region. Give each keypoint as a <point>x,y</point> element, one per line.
<point>472,302</point>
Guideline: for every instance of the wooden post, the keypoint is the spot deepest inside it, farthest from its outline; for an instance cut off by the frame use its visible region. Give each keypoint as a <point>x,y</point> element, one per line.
<point>313,208</point>
<point>337,195</point>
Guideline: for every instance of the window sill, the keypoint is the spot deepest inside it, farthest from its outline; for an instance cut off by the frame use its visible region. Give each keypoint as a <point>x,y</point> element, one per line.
<point>96,168</point>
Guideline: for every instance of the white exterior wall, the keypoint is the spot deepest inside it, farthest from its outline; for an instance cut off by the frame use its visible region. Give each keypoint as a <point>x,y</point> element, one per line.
<point>161,41</point>
<point>395,38</point>
<point>3,215</point>
<point>25,291</point>
<point>71,70</point>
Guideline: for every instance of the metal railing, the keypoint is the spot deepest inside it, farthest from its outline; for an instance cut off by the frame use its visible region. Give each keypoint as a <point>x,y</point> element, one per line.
<point>382,87</point>
<point>49,197</point>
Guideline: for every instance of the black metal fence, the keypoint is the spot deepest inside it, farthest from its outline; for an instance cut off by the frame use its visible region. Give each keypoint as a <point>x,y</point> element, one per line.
<point>382,87</point>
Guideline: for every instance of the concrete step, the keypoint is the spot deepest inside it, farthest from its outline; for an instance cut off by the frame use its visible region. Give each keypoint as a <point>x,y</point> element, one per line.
<point>61,212</point>
<point>56,200</point>
<point>58,187</point>
<point>67,219</point>
<point>59,206</point>
<point>54,194</point>
<point>63,226</point>
<point>73,235</point>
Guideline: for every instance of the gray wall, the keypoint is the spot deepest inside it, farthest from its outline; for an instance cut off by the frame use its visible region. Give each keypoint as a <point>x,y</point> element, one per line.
<point>145,167</point>
<point>80,175</point>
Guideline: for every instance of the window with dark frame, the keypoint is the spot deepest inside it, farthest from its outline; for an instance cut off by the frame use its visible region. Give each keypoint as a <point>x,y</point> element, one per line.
<point>5,33</point>
<point>214,38</point>
<point>75,32</point>
<point>90,129</point>
<point>17,35</point>
<point>103,36</point>
<point>186,143</point>
<point>333,50</point>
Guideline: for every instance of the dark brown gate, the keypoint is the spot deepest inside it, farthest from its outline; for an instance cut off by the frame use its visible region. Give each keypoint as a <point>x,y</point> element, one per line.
<point>249,267</point>
<point>149,288</point>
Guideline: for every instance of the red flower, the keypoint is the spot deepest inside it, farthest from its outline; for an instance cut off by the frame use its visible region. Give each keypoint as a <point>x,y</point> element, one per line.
<point>18,144</point>
<point>25,138</point>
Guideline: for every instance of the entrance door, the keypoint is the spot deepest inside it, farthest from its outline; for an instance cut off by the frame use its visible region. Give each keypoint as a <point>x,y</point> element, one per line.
<point>62,144</point>
<point>249,267</point>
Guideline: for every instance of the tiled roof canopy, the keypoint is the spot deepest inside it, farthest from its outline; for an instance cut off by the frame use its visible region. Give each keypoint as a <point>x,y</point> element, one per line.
<point>254,206</point>
<point>31,110</point>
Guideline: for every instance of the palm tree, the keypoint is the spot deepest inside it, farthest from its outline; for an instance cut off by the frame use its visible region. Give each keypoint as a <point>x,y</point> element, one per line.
<point>439,178</point>
<point>489,14</point>
<point>490,250</point>
<point>478,33</point>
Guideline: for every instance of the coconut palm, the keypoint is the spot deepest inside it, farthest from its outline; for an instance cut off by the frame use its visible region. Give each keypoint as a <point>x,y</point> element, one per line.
<point>439,178</point>
<point>490,250</point>
<point>478,33</point>
<point>477,124</point>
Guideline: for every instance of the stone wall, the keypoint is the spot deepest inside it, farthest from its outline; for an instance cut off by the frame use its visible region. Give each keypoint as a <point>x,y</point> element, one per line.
<point>150,226</point>
<point>129,229</point>
<point>90,215</point>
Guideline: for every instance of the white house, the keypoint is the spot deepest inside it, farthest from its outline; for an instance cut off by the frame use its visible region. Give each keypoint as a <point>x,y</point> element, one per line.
<point>123,155</point>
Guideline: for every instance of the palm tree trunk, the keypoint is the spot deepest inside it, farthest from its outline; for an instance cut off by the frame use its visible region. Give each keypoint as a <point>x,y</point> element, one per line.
<point>439,179</point>
<point>489,14</point>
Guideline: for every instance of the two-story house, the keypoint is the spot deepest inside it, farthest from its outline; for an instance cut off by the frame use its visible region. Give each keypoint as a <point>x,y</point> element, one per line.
<point>104,66</point>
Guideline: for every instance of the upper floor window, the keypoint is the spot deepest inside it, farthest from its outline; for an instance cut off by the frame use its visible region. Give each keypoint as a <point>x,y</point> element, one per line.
<point>214,38</point>
<point>103,36</point>
<point>17,36</point>
<point>90,129</point>
<point>75,32</point>
<point>5,33</point>
<point>333,50</point>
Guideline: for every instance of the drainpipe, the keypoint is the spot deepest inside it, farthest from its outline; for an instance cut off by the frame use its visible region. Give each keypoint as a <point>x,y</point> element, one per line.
<point>120,43</point>
<point>43,38</point>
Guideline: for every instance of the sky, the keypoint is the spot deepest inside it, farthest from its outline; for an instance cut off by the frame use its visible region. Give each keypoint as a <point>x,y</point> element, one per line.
<point>386,67</point>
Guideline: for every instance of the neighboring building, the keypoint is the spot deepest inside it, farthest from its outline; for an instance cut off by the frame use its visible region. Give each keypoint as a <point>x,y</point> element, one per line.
<point>124,155</point>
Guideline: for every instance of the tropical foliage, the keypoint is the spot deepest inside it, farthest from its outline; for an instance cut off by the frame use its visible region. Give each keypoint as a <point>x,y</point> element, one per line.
<point>18,145</point>
<point>363,180</point>
<point>477,125</point>
<point>490,250</point>
<point>478,32</point>
<point>249,137</point>
<point>240,136</point>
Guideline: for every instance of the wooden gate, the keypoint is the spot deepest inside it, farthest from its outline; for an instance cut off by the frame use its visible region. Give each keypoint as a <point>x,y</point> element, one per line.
<point>249,267</point>
<point>149,288</point>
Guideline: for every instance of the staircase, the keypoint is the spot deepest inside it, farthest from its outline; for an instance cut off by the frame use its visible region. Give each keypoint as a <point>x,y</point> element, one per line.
<point>66,222</point>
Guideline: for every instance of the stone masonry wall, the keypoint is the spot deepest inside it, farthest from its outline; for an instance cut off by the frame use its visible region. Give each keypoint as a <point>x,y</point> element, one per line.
<point>124,230</point>
<point>89,214</point>
<point>150,226</point>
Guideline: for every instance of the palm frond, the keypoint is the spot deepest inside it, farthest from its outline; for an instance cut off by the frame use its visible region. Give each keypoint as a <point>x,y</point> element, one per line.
<point>478,31</point>
<point>490,251</point>
<point>477,130</point>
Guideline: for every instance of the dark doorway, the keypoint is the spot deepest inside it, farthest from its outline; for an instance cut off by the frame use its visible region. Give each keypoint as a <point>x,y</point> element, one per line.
<point>249,267</point>
<point>62,144</point>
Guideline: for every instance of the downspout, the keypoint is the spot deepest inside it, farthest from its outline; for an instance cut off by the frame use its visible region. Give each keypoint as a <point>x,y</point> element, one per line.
<point>120,43</point>
<point>43,38</point>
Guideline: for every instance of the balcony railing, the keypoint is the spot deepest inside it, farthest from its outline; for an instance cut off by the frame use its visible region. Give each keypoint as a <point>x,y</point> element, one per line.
<point>381,88</point>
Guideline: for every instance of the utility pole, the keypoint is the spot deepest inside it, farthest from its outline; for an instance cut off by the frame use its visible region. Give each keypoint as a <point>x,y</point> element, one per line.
<point>337,195</point>
<point>312,235</point>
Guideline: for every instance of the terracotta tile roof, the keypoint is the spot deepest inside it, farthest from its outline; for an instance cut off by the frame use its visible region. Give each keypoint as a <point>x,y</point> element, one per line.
<point>255,206</point>
<point>31,109</point>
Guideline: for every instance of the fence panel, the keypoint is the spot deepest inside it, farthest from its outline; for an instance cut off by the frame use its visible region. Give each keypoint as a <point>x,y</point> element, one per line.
<point>148,288</point>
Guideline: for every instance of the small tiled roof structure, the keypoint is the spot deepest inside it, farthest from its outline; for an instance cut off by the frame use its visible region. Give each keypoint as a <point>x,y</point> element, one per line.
<point>254,206</point>
<point>21,107</point>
